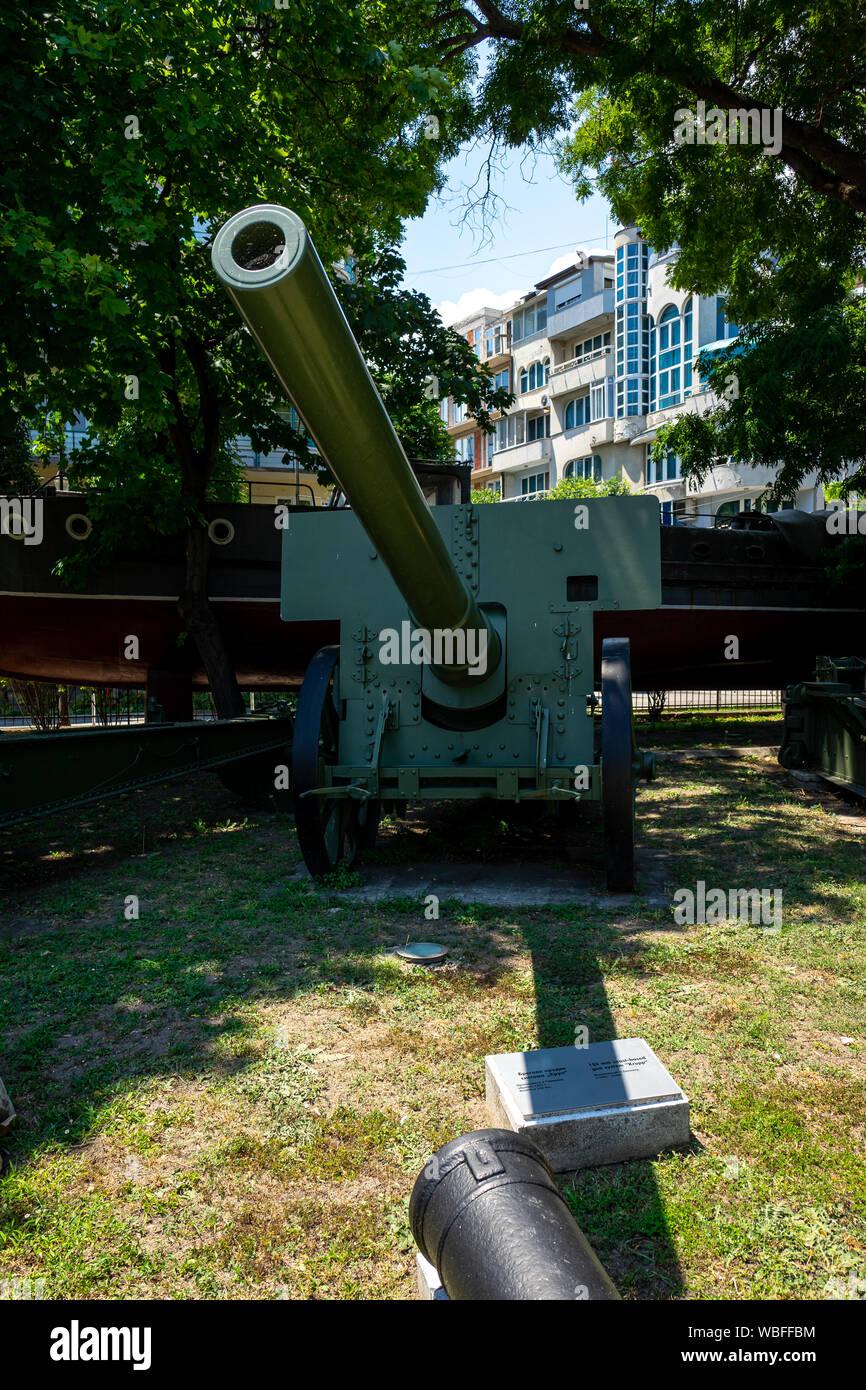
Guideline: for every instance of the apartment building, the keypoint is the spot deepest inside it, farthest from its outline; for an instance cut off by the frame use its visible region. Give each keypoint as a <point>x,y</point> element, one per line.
<point>602,354</point>
<point>489,335</point>
<point>267,478</point>
<point>681,326</point>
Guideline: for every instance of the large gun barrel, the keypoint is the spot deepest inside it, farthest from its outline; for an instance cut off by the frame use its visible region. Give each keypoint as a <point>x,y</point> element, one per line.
<point>487,1214</point>
<point>266,259</point>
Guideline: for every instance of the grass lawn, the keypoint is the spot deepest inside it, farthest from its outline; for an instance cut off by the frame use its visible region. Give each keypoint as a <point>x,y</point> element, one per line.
<point>231,1095</point>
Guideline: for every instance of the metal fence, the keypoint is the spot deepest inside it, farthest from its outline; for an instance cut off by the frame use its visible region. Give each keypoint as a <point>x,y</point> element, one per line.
<point>704,701</point>
<point>44,705</point>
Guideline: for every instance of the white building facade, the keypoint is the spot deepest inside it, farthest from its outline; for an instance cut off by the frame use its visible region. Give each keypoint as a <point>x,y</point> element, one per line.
<point>602,354</point>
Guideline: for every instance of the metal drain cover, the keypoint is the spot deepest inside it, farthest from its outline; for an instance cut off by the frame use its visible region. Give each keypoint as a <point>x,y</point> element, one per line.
<point>422,952</point>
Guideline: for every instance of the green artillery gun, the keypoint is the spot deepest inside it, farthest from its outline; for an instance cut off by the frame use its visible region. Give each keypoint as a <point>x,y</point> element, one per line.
<point>464,667</point>
<point>825,724</point>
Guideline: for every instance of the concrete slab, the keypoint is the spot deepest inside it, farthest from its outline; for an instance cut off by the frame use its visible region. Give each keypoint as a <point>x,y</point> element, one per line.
<point>499,885</point>
<point>586,1106</point>
<point>429,1284</point>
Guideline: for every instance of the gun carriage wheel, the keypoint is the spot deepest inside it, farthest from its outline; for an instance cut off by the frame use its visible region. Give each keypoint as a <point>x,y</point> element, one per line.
<point>332,830</point>
<point>617,764</point>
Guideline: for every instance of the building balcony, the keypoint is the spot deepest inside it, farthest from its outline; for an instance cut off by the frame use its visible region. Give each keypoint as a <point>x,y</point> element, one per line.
<point>460,428</point>
<point>571,376</point>
<point>627,429</point>
<point>523,455</point>
<point>587,315</point>
<point>498,361</point>
<point>697,402</point>
<point>531,400</point>
<point>588,438</point>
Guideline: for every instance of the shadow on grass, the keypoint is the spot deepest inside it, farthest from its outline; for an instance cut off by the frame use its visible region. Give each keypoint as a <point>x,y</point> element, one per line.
<point>93,1003</point>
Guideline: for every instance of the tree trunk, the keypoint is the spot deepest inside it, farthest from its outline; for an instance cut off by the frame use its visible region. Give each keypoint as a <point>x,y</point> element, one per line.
<point>202,625</point>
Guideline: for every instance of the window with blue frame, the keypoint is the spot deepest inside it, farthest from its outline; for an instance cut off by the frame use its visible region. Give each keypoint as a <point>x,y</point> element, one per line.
<point>687,347</point>
<point>577,413</point>
<point>669,355</point>
<point>466,448</point>
<point>724,329</point>
<point>588,468</point>
<point>590,346</point>
<point>664,470</point>
<point>535,375</point>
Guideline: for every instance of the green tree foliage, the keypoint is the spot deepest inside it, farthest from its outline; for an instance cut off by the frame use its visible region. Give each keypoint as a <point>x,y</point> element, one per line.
<point>129,135</point>
<point>483,496</point>
<point>565,488</point>
<point>414,358</point>
<point>17,473</point>
<point>588,487</point>
<point>781,233</point>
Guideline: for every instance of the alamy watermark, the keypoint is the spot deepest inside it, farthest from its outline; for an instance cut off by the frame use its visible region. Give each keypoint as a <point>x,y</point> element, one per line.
<point>22,518</point>
<point>847,518</point>
<point>443,646</point>
<point>760,907</point>
<point>21,1290</point>
<point>736,126</point>
<point>850,1288</point>
<point>77,1343</point>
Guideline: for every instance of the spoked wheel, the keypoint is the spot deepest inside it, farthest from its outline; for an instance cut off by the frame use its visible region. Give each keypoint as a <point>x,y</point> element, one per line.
<point>331,830</point>
<point>617,757</point>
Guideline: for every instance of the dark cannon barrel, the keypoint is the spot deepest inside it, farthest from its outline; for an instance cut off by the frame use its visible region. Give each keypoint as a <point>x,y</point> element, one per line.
<point>266,259</point>
<point>487,1213</point>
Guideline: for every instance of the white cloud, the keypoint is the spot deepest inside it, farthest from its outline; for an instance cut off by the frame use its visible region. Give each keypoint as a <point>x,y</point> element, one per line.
<point>472,301</point>
<point>561,263</point>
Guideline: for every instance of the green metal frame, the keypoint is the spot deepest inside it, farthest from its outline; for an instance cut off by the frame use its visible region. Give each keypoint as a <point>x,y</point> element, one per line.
<point>521,562</point>
<point>41,774</point>
<point>825,724</point>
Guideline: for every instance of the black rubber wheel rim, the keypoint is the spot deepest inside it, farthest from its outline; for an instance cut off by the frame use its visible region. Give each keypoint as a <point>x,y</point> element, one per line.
<point>328,828</point>
<point>617,773</point>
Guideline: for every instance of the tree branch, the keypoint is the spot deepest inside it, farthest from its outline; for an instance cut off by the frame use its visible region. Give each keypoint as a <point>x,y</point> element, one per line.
<point>820,160</point>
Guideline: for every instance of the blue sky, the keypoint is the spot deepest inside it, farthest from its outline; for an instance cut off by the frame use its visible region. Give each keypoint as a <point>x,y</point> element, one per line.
<point>534,227</point>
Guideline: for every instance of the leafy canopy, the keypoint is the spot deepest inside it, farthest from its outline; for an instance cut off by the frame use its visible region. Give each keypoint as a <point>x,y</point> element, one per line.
<point>781,234</point>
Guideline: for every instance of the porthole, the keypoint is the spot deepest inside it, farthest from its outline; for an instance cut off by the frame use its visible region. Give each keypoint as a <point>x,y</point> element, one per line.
<point>78,526</point>
<point>221,531</point>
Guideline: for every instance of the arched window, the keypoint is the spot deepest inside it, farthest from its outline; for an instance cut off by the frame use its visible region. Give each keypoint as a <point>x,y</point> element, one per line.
<point>577,413</point>
<point>588,468</point>
<point>523,380</point>
<point>669,357</point>
<point>546,365</point>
